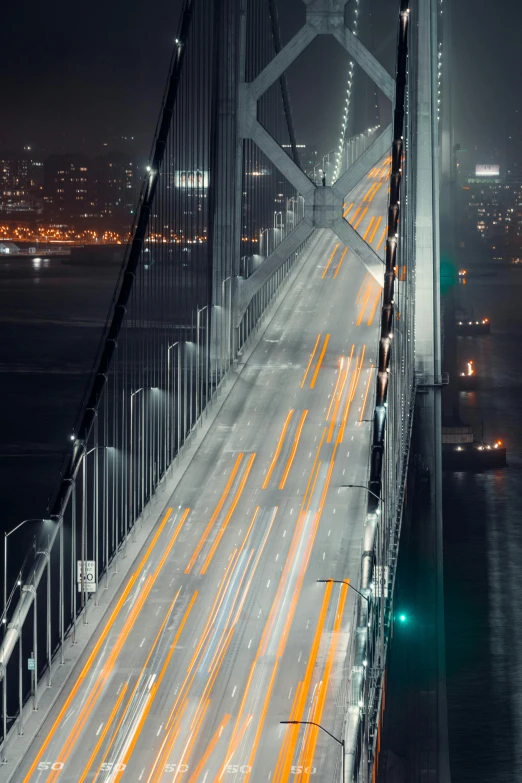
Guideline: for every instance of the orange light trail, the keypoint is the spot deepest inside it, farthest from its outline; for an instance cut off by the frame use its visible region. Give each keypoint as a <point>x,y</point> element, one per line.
<point>297,591</point>
<point>106,670</point>
<point>310,361</point>
<point>333,420</point>
<point>360,218</point>
<point>228,517</point>
<point>327,267</point>
<point>294,450</point>
<point>365,396</point>
<point>377,223</point>
<point>374,306</point>
<point>319,361</point>
<point>317,714</point>
<point>367,295</point>
<point>351,395</point>
<point>215,515</point>
<point>286,755</point>
<point>104,732</point>
<point>366,277</point>
<point>156,684</point>
<point>279,446</point>
<point>210,747</point>
<point>348,208</point>
<point>106,630</point>
<point>368,228</point>
<point>340,263</point>
<point>334,397</point>
<point>354,216</point>
<point>383,235</point>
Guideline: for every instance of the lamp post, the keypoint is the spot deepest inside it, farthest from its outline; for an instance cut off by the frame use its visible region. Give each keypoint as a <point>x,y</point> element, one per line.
<point>198,374</point>
<point>361,486</point>
<point>347,583</point>
<point>168,439</point>
<point>226,322</point>
<point>318,725</point>
<point>131,458</point>
<point>4,623</point>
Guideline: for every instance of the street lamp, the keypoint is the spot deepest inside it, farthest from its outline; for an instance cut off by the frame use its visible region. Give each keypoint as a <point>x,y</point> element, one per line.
<point>4,623</point>
<point>199,393</point>
<point>226,321</point>
<point>347,583</point>
<point>361,486</point>
<point>131,456</point>
<point>318,725</point>
<point>168,439</point>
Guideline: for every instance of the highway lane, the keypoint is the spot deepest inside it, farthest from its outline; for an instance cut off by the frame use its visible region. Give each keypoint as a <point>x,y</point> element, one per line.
<point>222,630</point>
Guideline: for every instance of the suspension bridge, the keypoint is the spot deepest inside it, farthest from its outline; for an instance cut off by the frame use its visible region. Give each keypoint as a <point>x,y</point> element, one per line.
<point>210,595</point>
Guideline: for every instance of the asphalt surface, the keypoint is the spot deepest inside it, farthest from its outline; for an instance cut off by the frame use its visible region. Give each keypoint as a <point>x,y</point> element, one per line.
<point>222,631</point>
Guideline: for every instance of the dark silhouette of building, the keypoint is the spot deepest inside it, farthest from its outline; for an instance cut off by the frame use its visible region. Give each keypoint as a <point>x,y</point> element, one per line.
<point>21,181</point>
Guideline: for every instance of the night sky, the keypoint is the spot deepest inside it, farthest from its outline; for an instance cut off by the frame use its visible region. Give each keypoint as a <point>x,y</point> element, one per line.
<point>75,77</point>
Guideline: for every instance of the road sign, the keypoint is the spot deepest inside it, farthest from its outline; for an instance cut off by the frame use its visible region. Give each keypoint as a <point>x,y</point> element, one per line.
<point>30,664</point>
<point>89,577</point>
<point>380,582</point>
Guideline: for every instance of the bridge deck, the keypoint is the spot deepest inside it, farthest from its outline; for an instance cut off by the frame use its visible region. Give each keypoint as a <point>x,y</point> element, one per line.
<point>222,630</point>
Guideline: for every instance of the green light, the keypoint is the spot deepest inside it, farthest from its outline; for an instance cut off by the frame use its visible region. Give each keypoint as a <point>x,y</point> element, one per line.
<point>402,618</point>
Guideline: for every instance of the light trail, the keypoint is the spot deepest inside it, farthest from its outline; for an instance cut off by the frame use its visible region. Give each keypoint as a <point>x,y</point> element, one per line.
<point>106,630</point>
<point>106,671</point>
<point>333,420</point>
<point>377,223</point>
<point>210,748</point>
<point>235,501</point>
<point>340,373</point>
<point>374,305</point>
<point>361,417</point>
<point>217,510</point>
<point>327,267</point>
<point>104,733</point>
<point>317,714</point>
<point>362,288</point>
<point>287,752</point>
<point>310,362</point>
<point>319,361</point>
<point>357,223</point>
<point>338,267</point>
<point>351,395</point>
<point>154,689</point>
<point>365,300</point>
<point>279,446</point>
<point>293,451</point>
<point>368,228</point>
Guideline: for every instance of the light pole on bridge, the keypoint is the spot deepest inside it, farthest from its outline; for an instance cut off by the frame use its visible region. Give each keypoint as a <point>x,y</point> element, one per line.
<point>318,725</point>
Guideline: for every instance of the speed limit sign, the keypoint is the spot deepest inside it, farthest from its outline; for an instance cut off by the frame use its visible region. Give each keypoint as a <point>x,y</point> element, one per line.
<point>89,576</point>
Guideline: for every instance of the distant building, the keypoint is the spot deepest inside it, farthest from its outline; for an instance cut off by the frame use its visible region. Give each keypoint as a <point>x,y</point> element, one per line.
<point>116,189</point>
<point>70,187</point>
<point>21,180</point>
<point>102,189</point>
<point>493,209</point>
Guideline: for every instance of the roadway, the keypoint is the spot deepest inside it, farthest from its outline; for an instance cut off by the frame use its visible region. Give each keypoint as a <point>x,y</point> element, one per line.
<point>221,631</point>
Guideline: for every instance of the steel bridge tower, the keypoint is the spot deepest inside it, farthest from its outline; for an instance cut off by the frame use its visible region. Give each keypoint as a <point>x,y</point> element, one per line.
<point>156,377</point>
